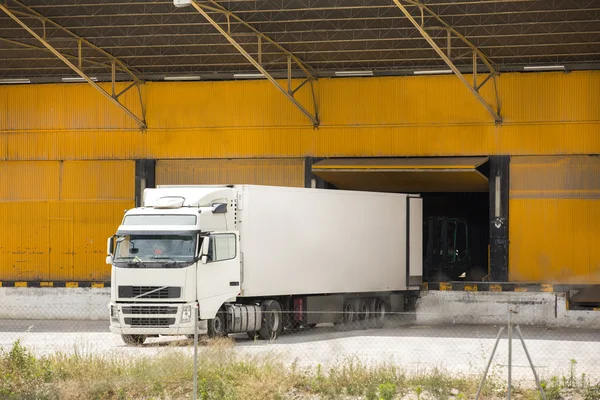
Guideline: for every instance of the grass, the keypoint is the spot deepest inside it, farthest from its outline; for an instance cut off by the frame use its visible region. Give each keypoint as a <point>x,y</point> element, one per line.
<point>225,373</point>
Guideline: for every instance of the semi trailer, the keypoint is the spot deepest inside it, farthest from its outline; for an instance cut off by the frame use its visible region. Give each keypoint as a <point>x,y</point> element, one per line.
<point>259,259</point>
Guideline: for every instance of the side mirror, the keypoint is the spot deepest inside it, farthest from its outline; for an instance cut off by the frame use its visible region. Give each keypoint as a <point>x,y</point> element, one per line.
<point>204,250</point>
<point>109,259</point>
<point>110,245</point>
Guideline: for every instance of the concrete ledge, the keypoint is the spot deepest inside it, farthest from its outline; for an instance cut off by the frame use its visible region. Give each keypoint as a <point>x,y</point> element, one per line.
<point>536,309</point>
<point>434,307</point>
<point>68,303</point>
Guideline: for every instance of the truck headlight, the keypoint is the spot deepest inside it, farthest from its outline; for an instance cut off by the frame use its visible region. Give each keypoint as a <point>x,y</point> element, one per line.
<point>114,313</point>
<point>186,313</point>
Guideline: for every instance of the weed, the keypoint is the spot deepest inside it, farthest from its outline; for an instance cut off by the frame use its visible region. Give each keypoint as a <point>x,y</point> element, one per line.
<point>387,391</point>
<point>419,391</point>
<point>225,373</point>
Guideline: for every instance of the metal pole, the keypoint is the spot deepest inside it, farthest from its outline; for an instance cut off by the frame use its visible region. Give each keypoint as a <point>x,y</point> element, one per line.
<point>196,351</point>
<point>509,353</point>
<point>537,381</point>
<point>487,368</point>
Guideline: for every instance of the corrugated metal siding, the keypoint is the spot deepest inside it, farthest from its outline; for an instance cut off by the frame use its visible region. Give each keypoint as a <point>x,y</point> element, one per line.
<point>554,212</point>
<point>57,216</point>
<point>551,96</point>
<point>276,172</point>
<point>23,181</point>
<point>255,103</point>
<point>24,241</point>
<point>65,106</point>
<point>73,145</point>
<point>377,141</point>
<point>398,100</point>
<point>545,113</point>
<point>98,180</point>
<point>555,177</point>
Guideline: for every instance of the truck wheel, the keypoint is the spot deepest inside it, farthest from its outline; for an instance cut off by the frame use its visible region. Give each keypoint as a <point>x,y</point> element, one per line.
<point>378,314</point>
<point>216,326</point>
<point>272,321</point>
<point>133,340</point>
<point>348,315</point>
<point>364,314</point>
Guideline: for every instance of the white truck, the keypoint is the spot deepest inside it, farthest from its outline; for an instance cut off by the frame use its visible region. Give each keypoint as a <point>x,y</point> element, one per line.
<point>257,259</point>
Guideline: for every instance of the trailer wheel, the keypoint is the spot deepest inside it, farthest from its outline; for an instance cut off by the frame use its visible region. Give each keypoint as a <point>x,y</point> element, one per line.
<point>378,314</point>
<point>216,326</point>
<point>364,313</point>
<point>272,321</point>
<point>348,315</point>
<point>133,340</point>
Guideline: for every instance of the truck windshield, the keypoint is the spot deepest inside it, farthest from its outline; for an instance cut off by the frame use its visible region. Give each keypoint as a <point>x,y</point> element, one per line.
<point>161,248</point>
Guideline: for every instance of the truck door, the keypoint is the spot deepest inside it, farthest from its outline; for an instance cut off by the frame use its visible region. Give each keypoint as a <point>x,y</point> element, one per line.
<point>218,273</point>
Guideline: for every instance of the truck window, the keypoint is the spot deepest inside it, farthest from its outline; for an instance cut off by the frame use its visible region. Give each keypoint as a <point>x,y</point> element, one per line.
<point>223,247</point>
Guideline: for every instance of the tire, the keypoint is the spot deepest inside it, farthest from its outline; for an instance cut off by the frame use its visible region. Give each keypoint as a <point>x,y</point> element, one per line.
<point>216,326</point>
<point>364,313</point>
<point>348,317</point>
<point>272,320</point>
<point>378,312</point>
<point>133,340</point>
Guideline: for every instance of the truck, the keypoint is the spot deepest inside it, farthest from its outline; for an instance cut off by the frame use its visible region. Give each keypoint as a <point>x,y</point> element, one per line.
<point>257,259</point>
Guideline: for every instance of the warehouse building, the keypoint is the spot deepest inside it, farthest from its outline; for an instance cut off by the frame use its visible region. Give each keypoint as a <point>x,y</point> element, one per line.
<point>489,109</point>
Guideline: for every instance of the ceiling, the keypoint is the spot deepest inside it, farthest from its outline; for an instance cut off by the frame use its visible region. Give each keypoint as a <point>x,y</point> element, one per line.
<point>156,39</point>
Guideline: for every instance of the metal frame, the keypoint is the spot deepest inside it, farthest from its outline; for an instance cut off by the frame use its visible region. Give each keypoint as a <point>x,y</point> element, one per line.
<point>476,53</point>
<point>291,58</point>
<point>114,63</point>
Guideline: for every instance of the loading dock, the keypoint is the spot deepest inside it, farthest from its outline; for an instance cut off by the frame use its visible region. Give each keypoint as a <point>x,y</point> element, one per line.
<point>455,193</point>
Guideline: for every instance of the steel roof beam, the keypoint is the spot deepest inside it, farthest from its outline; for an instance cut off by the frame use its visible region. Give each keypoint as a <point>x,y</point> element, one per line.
<point>258,64</point>
<point>446,56</point>
<point>114,62</point>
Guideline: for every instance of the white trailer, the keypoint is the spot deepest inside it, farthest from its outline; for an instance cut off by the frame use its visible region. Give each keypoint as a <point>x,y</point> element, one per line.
<point>257,259</point>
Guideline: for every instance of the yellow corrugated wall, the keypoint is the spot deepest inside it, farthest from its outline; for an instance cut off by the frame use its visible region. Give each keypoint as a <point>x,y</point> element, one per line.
<point>544,113</point>
<point>274,172</point>
<point>57,215</point>
<point>554,212</point>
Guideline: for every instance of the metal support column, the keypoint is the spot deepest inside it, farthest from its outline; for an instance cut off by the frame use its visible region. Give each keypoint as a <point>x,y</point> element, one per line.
<point>498,217</point>
<point>216,7</point>
<point>495,113</point>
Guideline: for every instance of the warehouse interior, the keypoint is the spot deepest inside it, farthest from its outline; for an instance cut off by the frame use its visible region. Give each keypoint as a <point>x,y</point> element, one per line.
<point>489,110</point>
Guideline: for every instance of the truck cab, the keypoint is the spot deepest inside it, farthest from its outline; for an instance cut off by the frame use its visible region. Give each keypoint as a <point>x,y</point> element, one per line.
<point>173,257</point>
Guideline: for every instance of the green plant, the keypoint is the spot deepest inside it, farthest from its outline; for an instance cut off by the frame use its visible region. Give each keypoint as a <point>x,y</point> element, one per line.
<point>371,393</point>
<point>552,389</point>
<point>592,392</point>
<point>419,392</point>
<point>572,374</point>
<point>387,391</point>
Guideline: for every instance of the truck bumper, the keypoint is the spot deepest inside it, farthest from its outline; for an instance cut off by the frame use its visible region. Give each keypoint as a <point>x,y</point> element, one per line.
<point>153,319</point>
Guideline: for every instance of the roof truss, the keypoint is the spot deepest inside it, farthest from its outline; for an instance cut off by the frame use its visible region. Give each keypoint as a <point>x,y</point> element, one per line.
<point>19,12</point>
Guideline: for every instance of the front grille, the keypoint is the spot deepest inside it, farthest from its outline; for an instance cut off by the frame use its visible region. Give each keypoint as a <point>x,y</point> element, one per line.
<point>150,322</point>
<point>149,292</point>
<point>149,310</point>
